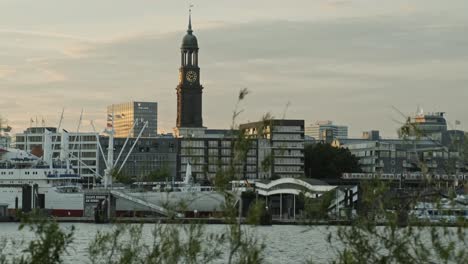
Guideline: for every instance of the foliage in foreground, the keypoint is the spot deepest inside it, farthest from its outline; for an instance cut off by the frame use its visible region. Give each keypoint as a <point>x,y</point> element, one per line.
<point>386,234</point>
<point>50,246</point>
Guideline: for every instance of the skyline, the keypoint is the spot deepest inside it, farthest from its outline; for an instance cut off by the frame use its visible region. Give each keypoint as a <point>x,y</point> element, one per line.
<point>324,58</point>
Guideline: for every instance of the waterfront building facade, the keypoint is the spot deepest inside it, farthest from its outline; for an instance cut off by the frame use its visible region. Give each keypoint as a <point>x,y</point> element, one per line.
<point>211,156</point>
<point>283,148</point>
<point>123,116</point>
<point>397,156</point>
<point>82,147</point>
<point>323,130</point>
<point>149,156</point>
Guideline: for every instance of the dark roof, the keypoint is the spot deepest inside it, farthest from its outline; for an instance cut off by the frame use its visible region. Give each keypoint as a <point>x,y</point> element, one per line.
<point>189,42</point>
<point>274,122</point>
<point>314,181</point>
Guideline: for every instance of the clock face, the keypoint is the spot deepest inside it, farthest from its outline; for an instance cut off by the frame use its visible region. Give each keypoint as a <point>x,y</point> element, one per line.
<point>191,76</point>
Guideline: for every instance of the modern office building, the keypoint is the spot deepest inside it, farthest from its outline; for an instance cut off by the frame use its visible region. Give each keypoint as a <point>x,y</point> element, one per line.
<point>322,130</point>
<point>149,156</point>
<point>83,148</point>
<point>285,139</point>
<point>125,115</point>
<point>211,156</point>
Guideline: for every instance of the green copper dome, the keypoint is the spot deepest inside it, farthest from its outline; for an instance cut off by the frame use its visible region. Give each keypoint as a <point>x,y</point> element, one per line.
<point>189,41</point>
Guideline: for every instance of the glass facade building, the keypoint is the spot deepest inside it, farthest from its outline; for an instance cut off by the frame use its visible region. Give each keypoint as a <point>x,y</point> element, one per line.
<point>319,130</point>
<point>126,114</point>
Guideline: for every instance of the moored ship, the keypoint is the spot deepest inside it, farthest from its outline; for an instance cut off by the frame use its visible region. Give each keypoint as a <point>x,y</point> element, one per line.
<point>53,187</point>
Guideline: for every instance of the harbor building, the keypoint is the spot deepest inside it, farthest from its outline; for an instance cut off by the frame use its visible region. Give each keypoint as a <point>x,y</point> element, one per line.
<point>149,158</point>
<point>285,140</point>
<point>125,115</point>
<point>323,130</point>
<point>82,147</point>
<point>284,201</point>
<point>210,156</point>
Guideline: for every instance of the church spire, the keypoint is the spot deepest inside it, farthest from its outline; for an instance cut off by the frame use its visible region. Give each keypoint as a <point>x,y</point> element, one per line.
<point>189,30</point>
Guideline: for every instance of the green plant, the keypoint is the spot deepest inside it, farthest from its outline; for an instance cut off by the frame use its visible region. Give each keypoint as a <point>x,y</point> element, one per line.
<point>50,245</point>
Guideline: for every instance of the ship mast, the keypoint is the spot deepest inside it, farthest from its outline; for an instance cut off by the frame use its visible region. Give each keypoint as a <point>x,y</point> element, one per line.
<point>110,153</point>
<point>110,164</point>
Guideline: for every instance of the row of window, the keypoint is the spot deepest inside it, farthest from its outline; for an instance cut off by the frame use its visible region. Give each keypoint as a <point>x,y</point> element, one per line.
<point>288,169</point>
<point>288,145</point>
<point>288,161</point>
<point>287,129</point>
<point>287,137</point>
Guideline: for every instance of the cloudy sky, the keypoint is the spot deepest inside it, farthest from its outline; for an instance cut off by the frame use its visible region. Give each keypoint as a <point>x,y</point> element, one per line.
<point>351,61</point>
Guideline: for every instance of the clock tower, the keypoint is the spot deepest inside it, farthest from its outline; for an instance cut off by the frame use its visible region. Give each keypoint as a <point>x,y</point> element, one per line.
<point>189,90</point>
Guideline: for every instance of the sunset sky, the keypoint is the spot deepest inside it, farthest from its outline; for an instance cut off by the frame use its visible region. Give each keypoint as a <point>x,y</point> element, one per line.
<point>353,62</point>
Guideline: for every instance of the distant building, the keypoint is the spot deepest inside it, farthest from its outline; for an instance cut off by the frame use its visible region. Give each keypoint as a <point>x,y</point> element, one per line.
<point>428,142</point>
<point>323,130</point>
<point>5,139</point>
<point>404,155</point>
<point>430,125</point>
<point>82,146</point>
<point>285,138</point>
<point>126,114</point>
<point>371,135</point>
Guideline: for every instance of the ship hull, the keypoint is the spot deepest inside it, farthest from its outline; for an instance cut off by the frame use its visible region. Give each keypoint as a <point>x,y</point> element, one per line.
<point>55,203</point>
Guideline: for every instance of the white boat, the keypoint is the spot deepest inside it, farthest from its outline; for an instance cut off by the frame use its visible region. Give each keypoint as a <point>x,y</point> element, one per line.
<point>58,188</point>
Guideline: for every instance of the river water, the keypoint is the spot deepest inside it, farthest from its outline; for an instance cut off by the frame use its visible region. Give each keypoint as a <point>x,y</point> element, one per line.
<point>284,244</point>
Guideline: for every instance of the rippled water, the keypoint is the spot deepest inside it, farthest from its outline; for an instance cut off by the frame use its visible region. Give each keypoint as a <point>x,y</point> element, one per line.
<point>284,244</point>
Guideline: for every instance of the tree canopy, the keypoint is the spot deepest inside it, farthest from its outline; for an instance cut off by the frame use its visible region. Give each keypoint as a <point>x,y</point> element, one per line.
<point>325,161</point>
